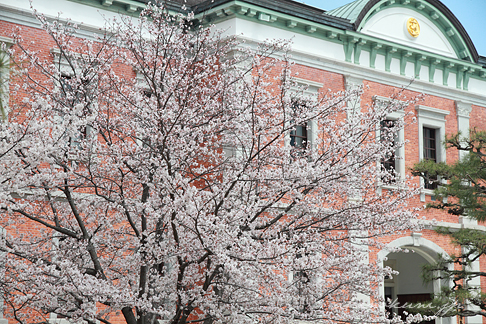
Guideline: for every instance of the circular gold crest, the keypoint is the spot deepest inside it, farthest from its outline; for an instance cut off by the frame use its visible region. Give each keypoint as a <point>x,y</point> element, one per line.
<point>413,27</point>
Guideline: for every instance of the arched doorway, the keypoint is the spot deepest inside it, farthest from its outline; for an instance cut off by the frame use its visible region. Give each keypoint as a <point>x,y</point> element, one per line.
<point>408,286</point>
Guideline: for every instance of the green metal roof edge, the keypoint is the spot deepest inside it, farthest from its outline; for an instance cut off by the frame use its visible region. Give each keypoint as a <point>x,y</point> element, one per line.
<point>460,46</point>
<point>352,41</point>
<point>265,16</point>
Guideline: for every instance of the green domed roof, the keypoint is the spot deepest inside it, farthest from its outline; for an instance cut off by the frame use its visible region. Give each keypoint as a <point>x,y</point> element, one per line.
<point>349,11</point>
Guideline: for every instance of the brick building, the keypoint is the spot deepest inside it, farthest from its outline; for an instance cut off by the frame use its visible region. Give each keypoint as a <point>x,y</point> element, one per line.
<point>383,45</point>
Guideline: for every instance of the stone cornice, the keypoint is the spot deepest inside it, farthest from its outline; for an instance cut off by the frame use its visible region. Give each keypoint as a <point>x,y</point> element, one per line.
<point>25,17</point>
<point>387,78</point>
<point>354,43</point>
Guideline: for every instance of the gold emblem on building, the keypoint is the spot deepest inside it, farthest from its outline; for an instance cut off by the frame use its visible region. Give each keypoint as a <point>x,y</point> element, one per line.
<point>413,27</point>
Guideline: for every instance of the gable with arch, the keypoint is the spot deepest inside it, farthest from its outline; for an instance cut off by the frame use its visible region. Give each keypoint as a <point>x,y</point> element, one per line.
<point>440,31</point>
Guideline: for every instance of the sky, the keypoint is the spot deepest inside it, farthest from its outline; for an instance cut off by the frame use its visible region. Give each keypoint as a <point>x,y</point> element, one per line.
<point>471,14</point>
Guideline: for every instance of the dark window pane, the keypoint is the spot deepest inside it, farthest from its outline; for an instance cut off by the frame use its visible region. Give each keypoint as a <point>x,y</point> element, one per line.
<point>66,84</point>
<point>298,137</point>
<point>430,145</point>
<point>387,163</point>
<point>430,153</point>
<point>147,93</point>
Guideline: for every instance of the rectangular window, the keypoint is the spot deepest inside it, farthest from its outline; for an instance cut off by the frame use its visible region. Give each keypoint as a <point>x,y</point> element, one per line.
<point>430,144</point>
<point>298,136</point>
<point>430,153</point>
<point>303,95</point>
<point>4,76</point>
<point>302,278</point>
<point>70,96</point>
<point>68,99</point>
<point>389,132</point>
<point>388,163</point>
<point>4,72</point>
<point>301,281</point>
<point>431,128</point>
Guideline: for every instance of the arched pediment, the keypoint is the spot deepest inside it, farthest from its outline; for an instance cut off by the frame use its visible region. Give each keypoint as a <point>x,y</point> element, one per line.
<point>391,24</point>
<point>440,31</point>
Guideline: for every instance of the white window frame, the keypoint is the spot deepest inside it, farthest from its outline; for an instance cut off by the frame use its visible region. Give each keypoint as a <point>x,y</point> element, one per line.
<point>310,93</point>
<point>312,278</point>
<point>5,44</point>
<point>66,70</point>
<point>140,81</point>
<point>400,137</point>
<point>436,119</point>
<point>142,84</point>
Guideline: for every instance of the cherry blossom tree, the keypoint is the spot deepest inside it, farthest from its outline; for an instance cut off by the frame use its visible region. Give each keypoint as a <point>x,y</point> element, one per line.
<point>155,174</point>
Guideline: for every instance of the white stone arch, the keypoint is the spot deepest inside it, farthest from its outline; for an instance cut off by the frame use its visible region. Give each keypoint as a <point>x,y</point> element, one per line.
<point>391,24</point>
<point>416,243</point>
<point>426,249</point>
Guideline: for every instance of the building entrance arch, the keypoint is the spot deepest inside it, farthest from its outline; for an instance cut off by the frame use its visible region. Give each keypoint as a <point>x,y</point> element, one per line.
<point>408,286</point>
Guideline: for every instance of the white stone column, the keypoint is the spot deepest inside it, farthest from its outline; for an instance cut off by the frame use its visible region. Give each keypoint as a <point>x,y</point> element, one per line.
<point>463,110</point>
<point>357,237</point>
<point>474,283</point>
<point>353,105</point>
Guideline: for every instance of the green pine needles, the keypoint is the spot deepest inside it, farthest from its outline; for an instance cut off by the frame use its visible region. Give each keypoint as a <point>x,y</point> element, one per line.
<point>461,191</point>
<point>462,185</point>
